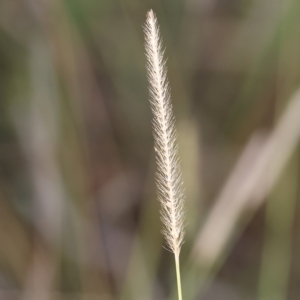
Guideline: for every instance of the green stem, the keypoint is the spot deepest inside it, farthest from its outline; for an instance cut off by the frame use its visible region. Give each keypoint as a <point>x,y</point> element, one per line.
<point>178,276</point>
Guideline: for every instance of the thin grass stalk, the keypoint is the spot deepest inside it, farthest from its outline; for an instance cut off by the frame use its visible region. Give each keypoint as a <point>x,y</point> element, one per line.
<point>178,277</point>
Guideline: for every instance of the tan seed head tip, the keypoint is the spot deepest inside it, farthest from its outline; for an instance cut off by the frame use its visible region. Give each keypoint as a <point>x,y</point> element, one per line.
<point>150,13</point>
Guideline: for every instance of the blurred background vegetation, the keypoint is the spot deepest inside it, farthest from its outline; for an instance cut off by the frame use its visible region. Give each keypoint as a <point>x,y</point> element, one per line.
<point>79,217</point>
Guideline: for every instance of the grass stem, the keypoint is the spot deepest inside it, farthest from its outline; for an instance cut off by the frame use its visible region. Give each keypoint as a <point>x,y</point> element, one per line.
<point>178,277</point>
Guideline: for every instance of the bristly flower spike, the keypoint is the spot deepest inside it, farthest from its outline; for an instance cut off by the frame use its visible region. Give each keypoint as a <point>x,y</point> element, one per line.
<point>169,178</point>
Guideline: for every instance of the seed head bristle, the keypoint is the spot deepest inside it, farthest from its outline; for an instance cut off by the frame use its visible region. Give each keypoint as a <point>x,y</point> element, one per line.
<point>168,179</point>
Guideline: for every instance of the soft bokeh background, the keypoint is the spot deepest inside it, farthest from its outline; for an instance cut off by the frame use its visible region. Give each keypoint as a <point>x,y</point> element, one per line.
<point>79,217</point>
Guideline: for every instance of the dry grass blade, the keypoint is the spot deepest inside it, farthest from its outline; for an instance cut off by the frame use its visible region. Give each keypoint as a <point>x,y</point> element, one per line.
<point>247,192</point>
